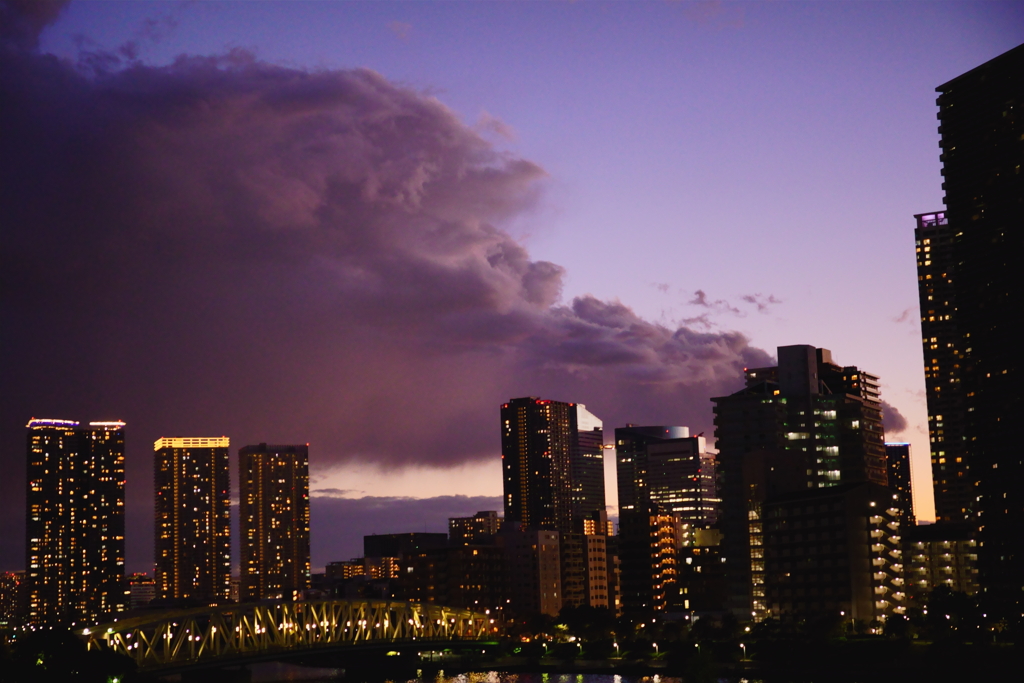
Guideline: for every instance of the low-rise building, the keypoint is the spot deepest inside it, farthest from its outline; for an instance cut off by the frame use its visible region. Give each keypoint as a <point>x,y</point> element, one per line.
<point>941,554</point>
<point>834,551</point>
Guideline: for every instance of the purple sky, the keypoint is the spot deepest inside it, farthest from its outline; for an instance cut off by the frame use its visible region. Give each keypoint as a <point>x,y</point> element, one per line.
<point>365,225</point>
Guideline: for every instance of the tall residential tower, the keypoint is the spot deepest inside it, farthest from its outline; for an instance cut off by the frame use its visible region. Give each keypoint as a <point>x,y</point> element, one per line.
<point>550,463</point>
<point>273,521</point>
<point>971,297</point>
<point>75,523</point>
<point>802,425</point>
<point>193,519</point>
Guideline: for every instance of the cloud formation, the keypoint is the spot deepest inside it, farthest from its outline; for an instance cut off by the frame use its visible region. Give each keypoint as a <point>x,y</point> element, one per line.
<point>227,246</point>
<point>892,420</point>
<point>761,301</point>
<point>700,298</point>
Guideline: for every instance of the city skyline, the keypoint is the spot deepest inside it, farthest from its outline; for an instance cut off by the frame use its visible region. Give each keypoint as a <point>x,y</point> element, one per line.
<point>443,337</point>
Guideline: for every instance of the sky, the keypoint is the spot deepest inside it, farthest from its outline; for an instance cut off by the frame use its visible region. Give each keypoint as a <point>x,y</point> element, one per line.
<point>365,225</point>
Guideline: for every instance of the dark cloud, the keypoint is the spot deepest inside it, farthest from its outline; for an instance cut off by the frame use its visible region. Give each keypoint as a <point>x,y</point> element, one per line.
<point>892,420</point>
<point>382,515</point>
<point>225,246</point>
<point>21,21</point>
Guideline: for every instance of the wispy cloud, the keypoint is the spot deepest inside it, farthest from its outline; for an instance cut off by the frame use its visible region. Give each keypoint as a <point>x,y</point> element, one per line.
<point>700,298</point>
<point>761,301</point>
<point>401,29</point>
<point>488,123</point>
<point>908,315</point>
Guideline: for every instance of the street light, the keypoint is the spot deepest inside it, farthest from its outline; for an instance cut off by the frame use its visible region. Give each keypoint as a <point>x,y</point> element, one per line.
<point>616,645</point>
<point>744,646</point>
<point>655,648</point>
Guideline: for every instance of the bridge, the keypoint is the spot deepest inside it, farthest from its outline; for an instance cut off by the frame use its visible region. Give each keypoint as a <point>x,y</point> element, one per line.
<point>238,634</point>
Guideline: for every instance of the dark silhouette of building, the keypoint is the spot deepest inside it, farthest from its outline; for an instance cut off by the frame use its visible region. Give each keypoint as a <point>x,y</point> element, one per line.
<point>553,471</point>
<point>586,465</point>
<point>476,530</point>
<point>273,510</point>
<point>397,545</point>
<point>974,259</point>
<point>586,564</point>
<point>939,555</point>
<point>804,424</point>
<point>12,586</point>
<point>681,478</point>
<point>193,519</point>
<point>649,544</point>
<point>666,466</point>
<point>533,565</point>
<point>472,576</point>
<point>74,555</point>
<point>942,341</point>
<point>834,552</point>
<point>668,489</point>
<point>631,444</point>
<point>897,457</point>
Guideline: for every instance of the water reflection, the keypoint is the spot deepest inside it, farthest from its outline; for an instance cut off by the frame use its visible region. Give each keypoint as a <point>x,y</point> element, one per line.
<point>278,673</point>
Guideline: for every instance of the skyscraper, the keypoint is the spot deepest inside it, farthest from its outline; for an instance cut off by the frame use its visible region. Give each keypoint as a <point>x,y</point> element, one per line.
<point>193,519</point>
<point>667,489</point>
<point>273,521</point>
<point>807,423</point>
<point>542,448</point>
<point>631,444</point>
<point>586,465</point>
<point>680,478</point>
<point>982,129</point>
<point>897,457</point>
<point>75,523</point>
<point>942,340</point>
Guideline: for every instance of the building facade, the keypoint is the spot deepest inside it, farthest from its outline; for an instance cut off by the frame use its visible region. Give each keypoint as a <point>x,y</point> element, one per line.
<point>75,522</point>
<point>11,589</point>
<point>141,589</point>
<point>834,552</point>
<point>942,342</point>
<point>631,443</point>
<point>397,545</point>
<point>897,458</point>
<point>681,478</point>
<point>807,423</point>
<point>273,512</point>
<point>939,555</point>
<point>586,465</point>
<point>479,529</point>
<point>552,463</point>
<point>533,565</point>
<point>650,542</point>
<point>982,142</point>
<point>193,519</point>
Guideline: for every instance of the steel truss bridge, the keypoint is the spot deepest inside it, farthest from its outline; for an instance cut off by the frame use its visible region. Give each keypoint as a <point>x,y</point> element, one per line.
<point>236,634</point>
